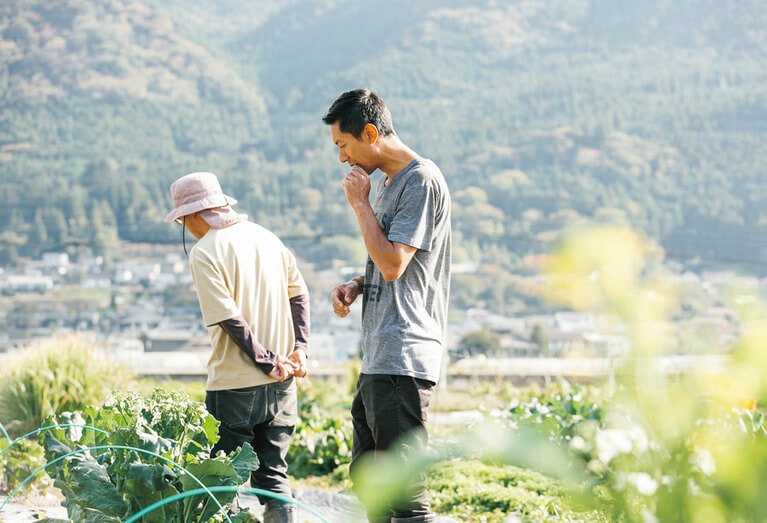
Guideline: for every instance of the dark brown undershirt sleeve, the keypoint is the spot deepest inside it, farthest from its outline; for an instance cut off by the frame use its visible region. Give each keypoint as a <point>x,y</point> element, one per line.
<point>239,331</point>
<point>299,309</point>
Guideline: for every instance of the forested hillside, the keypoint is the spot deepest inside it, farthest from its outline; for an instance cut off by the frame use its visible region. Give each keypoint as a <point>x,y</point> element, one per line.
<point>649,112</point>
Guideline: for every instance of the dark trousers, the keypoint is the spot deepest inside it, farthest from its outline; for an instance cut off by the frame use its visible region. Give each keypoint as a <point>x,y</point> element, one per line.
<point>265,417</point>
<point>387,412</point>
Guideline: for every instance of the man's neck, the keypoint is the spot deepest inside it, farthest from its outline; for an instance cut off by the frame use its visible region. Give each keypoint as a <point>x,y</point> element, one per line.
<point>398,156</point>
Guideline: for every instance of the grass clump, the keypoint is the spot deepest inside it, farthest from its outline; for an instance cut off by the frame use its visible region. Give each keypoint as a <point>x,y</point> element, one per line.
<point>61,374</point>
<point>476,491</point>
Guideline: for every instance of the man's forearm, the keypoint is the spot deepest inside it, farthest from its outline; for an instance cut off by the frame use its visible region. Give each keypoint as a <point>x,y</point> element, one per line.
<point>239,331</point>
<point>391,258</point>
<point>360,281</point>
<point>378,246</point>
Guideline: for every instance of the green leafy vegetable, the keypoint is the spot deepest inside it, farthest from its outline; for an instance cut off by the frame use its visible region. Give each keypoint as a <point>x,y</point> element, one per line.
<point>151,448</point>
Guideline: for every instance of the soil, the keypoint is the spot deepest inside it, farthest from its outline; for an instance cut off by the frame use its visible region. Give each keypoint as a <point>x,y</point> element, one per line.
<point>326,507</point>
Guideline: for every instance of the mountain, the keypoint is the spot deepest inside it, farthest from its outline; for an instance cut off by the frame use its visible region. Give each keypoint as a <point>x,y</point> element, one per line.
<point>540,113</point>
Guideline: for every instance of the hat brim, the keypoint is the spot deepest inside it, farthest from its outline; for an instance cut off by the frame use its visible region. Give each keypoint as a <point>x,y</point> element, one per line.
<point>211,202</point>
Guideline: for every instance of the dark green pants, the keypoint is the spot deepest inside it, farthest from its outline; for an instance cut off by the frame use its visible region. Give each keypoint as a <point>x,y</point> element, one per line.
<point>389,414</point>
<point>264,416</point>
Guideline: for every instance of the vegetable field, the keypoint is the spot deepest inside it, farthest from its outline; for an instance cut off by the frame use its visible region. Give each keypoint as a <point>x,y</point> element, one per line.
<point>643,446</point>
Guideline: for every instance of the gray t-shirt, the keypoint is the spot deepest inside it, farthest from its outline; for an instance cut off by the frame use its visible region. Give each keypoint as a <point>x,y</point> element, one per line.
<point>404,322</point>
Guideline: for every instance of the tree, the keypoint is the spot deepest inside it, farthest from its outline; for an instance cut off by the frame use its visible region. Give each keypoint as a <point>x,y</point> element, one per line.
<point>540,337</point>
<point>38,236</point>
<point>10,242</point>
<point>101,180</point>
<point>56,226</point>
<point>104,230</point>
<point>481,342</point>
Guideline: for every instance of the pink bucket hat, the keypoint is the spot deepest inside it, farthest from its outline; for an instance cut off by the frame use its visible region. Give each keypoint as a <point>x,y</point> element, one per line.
<point>196,192</point>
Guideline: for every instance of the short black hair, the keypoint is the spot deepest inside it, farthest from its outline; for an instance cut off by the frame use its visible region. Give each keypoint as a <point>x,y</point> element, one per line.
<point>357,108</point>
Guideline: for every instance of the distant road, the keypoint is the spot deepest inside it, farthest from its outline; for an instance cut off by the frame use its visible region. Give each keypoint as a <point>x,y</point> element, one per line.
<point>182,365</point>
<point>524,371</point>
<point>192,365</point>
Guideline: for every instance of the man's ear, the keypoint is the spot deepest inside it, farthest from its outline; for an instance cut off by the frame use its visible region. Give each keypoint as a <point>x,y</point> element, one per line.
<point>370,133</point>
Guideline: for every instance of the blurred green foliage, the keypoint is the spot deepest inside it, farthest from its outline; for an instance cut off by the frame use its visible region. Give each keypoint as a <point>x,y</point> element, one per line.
<point>685,443</point>
<point>17,463</point>
<point>323,439</point>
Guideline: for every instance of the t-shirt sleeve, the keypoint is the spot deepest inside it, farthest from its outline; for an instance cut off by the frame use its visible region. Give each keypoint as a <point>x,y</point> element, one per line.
<point>216,302</point>
<point>413,220</point>
<point>296,284</point>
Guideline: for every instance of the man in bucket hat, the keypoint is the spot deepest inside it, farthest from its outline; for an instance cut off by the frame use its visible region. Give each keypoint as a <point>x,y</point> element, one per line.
<point>255,304</point>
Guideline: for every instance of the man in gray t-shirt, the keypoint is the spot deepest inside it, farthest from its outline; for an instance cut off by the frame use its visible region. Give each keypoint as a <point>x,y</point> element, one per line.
<point>405,287</point>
